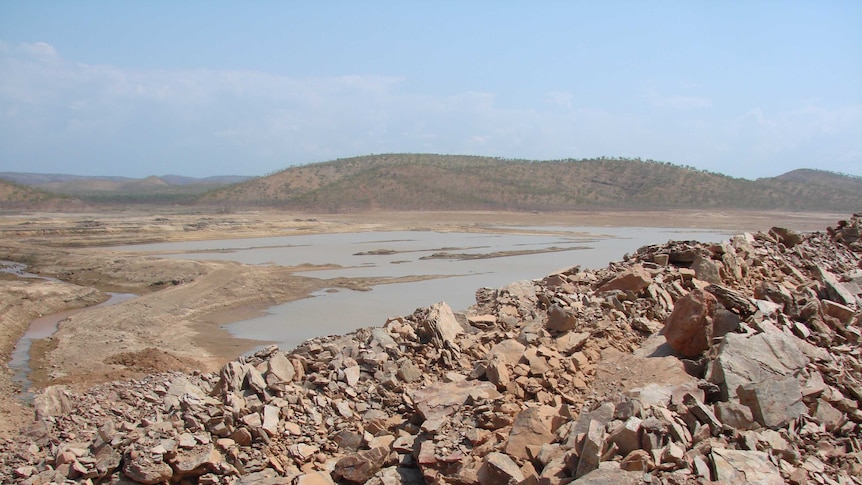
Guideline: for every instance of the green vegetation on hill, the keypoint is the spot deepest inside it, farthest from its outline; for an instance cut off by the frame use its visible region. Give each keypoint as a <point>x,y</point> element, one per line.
<point>17,196</point>
<point>170,189</point>
<point>457,182</point>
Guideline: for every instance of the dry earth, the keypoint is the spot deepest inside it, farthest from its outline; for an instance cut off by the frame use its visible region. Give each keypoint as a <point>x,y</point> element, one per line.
<point>176,322</point>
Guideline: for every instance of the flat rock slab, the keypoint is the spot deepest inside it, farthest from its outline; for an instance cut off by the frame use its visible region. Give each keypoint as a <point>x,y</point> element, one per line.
<point>654,377</point>
<point>744,359</point>
<point>739,466</point>
<point>443,399</point>
<point>773,402</point>
<point>610,473</point>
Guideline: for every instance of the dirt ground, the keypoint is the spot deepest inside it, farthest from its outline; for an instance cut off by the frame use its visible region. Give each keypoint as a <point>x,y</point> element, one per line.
<point>176,322</point>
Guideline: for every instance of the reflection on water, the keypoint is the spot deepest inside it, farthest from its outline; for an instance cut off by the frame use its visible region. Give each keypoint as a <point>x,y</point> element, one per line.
<point>405,253</point>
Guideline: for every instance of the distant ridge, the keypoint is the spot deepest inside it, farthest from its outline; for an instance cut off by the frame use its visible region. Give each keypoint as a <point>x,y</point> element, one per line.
<point>458,182</point>
<point>415,182</point>
<point>27,178</point>
<point>15,196</point>
<point>119,190</point>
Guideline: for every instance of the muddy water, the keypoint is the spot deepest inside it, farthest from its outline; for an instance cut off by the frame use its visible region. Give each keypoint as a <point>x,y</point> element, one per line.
<point>42,327</point>
<point>20,270</point>
<point>404,253</point>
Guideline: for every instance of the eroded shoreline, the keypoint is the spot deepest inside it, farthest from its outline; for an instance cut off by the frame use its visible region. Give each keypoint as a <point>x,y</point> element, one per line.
<point>185,303</point>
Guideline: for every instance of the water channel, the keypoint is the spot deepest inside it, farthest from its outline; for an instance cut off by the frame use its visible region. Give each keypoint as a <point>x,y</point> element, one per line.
<point>461,262</point>
<point>42,327</point>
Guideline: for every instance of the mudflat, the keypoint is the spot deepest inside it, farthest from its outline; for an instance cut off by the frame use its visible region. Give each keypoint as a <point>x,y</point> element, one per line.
<point>176,323</point>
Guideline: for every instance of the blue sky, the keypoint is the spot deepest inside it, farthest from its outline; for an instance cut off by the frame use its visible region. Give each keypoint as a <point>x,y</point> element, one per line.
<point>750,89</point>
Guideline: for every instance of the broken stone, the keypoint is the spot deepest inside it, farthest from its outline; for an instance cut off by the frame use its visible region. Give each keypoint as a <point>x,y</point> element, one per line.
<point>610,473</point>
<point>842,313</point>
<point>743,359</point>
<point>705,269</point>
<point>789,238</point>
<point>361,466</point>
<point>508,351</point>
<point>835,290</point>
<point>53,401</point>
<point>529,429</point>
<point>143,468</point>
<point>443,399</point>
<point>499,469</point>
<point>773,402</point>
<point>561,319</point>
<point>409,372</point>
<point>627,437</point>
<point>441,326</point>
<point>635,280</point>
<point>313,478</point>
<point>497,373</point>
<point>591,449</point>
<point>689,325</point>
<point>739,466</point>
<point>735,415</point>
<point>280,372</point>
<point>637,461</point>
<point>270,419</point>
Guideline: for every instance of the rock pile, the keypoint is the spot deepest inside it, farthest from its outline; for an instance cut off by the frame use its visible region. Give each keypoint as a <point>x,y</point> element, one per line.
<point>683,363</point>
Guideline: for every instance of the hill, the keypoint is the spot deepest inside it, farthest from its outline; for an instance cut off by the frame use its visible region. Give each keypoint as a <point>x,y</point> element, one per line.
<point>16,196</point>
<point>457,182</point>
<point>121,190</point>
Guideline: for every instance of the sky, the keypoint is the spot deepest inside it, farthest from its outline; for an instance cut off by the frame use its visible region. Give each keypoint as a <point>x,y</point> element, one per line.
<point>745,88</point>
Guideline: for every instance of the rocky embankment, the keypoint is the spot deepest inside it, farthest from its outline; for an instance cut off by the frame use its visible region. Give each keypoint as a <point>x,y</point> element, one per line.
<point>685,363</point>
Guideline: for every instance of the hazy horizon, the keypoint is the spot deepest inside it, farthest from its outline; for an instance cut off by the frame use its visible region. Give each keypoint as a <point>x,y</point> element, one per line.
<point>222,175</point>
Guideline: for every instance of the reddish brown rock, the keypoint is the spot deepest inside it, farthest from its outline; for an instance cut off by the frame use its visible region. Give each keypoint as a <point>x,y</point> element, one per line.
<point>360,467</point>
<point>687,327</point>
<point>499,469</point>
<point>637,461</point>
<point>634,280</point>
<point>561,319</point>
<point>528,430</point>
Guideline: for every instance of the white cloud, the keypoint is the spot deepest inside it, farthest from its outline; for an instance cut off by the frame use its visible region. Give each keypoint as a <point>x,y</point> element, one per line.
<point>218,121</point>
<point>682,102</point>
<point>562,99</point>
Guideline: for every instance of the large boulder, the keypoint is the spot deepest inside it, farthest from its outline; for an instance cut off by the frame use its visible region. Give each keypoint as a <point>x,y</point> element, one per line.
<point>440,326</point>
<point>706,269</point>
<point>743,359</point>
<point>773,402</point>
<point>687,329</point>
<point>561,319</point>
<point>54,401</point>
<point>529,429</point>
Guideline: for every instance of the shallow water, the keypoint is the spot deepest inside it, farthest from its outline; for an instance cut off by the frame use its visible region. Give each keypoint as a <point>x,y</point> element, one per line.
<point>42,327</point>
<point>329,313</point>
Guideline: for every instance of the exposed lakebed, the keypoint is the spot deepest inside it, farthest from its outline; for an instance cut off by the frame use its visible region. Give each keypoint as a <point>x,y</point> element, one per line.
<point>460,263</point>
<point>42,327</point>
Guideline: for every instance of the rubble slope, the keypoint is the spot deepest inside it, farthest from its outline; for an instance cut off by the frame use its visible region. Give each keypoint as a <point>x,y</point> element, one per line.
<point>682,363</point>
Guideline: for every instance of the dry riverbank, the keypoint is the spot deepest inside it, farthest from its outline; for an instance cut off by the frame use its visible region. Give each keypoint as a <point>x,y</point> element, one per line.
<point>176,322</point>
